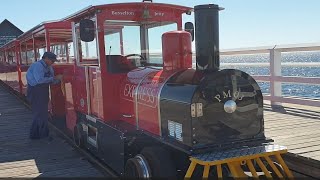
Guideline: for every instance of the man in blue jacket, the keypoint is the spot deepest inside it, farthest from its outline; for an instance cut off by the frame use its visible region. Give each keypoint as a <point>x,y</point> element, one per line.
<point>39,76</point>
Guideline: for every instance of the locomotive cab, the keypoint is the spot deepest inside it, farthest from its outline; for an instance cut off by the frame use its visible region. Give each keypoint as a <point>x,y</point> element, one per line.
<point>120,40</point>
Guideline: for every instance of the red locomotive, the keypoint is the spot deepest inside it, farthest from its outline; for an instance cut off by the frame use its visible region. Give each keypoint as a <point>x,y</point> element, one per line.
<point>132,98</point>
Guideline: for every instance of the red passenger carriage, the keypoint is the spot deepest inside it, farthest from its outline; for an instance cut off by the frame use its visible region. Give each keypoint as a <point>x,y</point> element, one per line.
<point>28,47</point>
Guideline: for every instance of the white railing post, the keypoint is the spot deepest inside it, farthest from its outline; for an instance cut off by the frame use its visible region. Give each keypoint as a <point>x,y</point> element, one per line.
<point>275,70</point>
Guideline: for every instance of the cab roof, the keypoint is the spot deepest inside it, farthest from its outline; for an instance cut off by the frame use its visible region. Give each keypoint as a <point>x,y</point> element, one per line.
<point>134,5</point>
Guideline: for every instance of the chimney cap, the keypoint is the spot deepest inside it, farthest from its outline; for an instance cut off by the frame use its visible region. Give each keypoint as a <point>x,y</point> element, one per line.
<point>208,6</point>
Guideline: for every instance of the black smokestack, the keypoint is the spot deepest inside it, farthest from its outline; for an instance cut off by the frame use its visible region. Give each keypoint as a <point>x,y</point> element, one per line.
<point>207,37</point>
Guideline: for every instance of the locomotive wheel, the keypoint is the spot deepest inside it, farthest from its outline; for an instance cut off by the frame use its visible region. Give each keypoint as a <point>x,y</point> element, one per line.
<point>273,173</point>
<point>77,136</point>
<point>160,162</point>
<point>137,167</point>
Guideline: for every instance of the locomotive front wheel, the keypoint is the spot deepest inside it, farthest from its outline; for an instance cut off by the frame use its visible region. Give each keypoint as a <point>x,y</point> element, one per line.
<point>77,136</point>
<point>160,162</point>
<point>273,173</point>
<point>137,167</point>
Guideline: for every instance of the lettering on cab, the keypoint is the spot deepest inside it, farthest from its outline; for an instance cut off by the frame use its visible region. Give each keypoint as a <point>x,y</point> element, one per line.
<point>122,13</point>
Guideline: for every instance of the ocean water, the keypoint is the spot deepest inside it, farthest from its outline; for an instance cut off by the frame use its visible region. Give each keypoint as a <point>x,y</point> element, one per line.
<point>290,67</point>
<point>303,64</point>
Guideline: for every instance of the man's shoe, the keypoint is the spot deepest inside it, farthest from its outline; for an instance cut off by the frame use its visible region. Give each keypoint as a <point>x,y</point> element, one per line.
<point>50,138</point>
<point>47,139</point>
<point>34,137</point>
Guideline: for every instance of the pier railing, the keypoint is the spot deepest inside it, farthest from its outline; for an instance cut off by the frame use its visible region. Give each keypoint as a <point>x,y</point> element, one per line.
<point>275,78</point>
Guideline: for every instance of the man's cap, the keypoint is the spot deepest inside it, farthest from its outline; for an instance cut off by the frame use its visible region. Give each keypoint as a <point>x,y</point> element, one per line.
<point>50,56</point>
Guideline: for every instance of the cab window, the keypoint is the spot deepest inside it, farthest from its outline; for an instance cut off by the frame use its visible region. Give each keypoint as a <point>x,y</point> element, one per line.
<point>87,51</point>
<point>130,44</point>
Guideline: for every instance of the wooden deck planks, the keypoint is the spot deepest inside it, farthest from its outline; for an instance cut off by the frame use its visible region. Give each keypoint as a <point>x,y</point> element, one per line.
<point>299,132</point>
<point>22,157</point>
<point>296,127</point>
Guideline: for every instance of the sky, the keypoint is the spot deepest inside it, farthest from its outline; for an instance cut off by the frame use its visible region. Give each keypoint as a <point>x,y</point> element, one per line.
<point>243,23</point>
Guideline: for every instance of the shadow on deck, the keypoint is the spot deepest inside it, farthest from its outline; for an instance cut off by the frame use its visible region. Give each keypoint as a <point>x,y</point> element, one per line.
<point>296,127</point>
<point>22,157</point>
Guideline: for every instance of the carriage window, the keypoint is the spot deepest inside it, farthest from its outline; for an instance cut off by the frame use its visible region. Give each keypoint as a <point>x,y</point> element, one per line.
<point>40,53</point>
<point>27,54</point>
<point>71,52</point>
<point>2,57</point>
<point>63,52</point>
<point>11,58</point>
